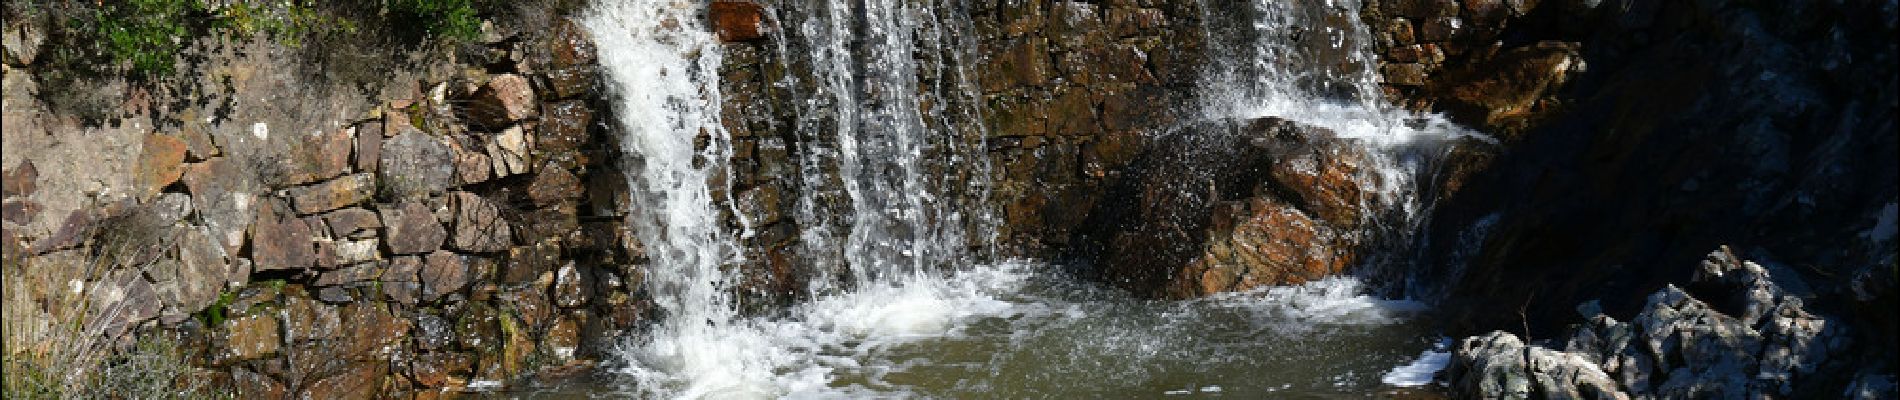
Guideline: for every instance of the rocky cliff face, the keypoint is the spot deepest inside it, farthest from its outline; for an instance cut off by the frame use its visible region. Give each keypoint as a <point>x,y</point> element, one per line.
<point>299,239</point>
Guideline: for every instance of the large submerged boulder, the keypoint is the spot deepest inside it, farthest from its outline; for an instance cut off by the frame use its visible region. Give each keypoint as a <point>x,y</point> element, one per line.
<point>1235,205</point>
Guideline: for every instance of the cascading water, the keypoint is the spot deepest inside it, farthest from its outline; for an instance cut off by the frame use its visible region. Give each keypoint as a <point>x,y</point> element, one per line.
<point>1311,61</point>
<point>893,181</point>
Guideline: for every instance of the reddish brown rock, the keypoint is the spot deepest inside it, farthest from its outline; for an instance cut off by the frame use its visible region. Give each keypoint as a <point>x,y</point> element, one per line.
<point>319,157</point>
<point>552,185</point>
<point>440,369</point>
<point>737,21</point>
<point>256,386</point>
<point>570,44</point>
<point>505,99</point>
<point>352,223</point>
<point>361,380</point>
<point>1262,242</point>
<point>564,132</point>
<point>160,164</point>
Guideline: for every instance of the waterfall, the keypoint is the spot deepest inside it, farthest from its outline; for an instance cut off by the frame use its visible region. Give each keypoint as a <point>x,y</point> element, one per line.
<point>890,150</point>
<point>1312,61</point>
<point>880,214</point>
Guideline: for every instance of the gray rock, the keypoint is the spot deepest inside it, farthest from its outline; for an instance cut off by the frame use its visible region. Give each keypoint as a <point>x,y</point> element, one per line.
<point>433,332</point>
<point>364,272</point>
<point>1499,366</point>
<point>223,194</point>
<point>479,226</point>
<point>356,251</point>
<point>508,152</point>
<point>412,229</point>
<point>570,286</point>
<point>415,164</point>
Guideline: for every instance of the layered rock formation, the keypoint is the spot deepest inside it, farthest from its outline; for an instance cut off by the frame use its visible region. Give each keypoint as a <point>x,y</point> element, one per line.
<point>465,230</point>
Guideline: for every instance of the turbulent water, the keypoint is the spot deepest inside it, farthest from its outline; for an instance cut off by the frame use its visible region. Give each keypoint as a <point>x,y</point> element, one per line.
<point>904,304</point>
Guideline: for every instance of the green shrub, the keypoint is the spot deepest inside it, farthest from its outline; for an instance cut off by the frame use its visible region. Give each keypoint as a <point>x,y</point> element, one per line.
<point>451,19</point>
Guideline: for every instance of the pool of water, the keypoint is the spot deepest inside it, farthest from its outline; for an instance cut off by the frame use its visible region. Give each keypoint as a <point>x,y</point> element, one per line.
<point>1015,331</point>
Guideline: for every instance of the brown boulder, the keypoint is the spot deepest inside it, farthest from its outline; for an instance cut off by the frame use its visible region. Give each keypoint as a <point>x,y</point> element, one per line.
<point>352,223</point>
<point>505,99</point>
<point>369,146</point>
<point>737,21</point>
<point>1262,242</point>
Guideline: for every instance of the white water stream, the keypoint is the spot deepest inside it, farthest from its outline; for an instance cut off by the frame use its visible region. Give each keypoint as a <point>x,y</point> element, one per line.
<point>910,311</point>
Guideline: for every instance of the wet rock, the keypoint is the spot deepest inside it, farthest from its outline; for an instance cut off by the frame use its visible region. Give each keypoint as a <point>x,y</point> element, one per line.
<point>160,164</point>
<point>564,337</point>
<point>503,100</point>
<point>361,380</point>
<point>443,273</point>
<point>251,337</point>
<point>479,226</point>
<point>1262,242</point>
<point>332,194</point>
<point>433,332</point>
<point>570,44</point>
<point>531,305</point>
<point>571,82</point>
<point>553,185</point>
<point>525,263</point>
<point>1404,74</point>
<point>1325,173</point>
<point>737,21</point>
<point>570,286</point>
<point>414,164</point>
<point>439,369</point>
<point>352,222</point>
<point>564,132</point>
<point>279,240</point>
<point>412,229</point>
